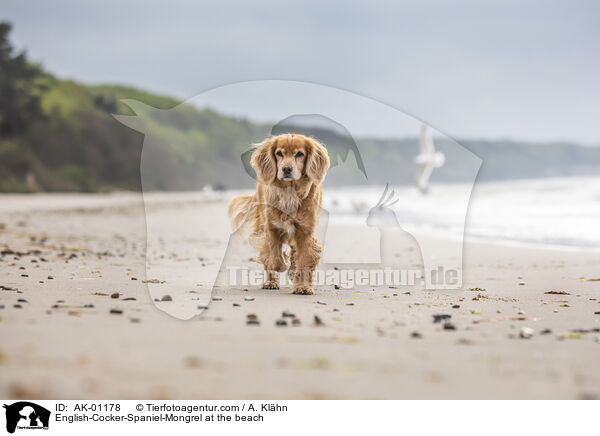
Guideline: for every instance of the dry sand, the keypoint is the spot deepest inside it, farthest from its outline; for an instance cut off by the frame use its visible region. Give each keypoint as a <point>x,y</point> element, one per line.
<point>64,342</point>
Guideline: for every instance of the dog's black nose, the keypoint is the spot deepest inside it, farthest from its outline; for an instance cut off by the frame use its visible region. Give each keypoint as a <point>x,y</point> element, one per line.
<point>287,170</point>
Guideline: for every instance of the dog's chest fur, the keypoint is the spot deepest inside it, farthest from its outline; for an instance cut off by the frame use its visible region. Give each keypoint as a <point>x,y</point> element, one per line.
<point>285,203</point>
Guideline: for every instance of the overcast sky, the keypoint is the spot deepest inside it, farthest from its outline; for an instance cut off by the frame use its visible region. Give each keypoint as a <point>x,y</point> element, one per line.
<point>472,69</point>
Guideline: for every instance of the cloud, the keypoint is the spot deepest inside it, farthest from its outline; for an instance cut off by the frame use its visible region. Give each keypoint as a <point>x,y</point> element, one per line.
<point>525,70</point>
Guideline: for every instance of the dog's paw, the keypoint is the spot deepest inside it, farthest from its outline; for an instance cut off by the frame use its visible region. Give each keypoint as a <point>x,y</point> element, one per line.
<point>302,290</point>
<point>270,284</point>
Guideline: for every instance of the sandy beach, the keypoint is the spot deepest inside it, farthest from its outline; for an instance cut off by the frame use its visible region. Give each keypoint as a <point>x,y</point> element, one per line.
<point>63,335</point>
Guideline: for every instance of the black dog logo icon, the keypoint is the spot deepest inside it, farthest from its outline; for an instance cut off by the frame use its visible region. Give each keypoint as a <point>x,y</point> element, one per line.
<point>26,415</point>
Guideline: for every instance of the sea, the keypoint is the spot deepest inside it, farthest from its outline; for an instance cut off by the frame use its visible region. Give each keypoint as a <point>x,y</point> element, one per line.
<point>551,212</point>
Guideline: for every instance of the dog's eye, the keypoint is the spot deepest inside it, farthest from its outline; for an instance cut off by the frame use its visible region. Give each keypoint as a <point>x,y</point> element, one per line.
<point>279,153</point>
<point>299,154</point>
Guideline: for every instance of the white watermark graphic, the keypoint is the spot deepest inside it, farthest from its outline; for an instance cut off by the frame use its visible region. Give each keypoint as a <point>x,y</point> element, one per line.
<point>346,279</point>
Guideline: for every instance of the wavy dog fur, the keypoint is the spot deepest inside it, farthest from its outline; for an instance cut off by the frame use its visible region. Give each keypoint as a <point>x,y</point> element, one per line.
<point>285,208</point>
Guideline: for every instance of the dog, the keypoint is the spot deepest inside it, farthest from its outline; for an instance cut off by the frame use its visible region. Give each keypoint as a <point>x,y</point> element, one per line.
<point>285,208</point>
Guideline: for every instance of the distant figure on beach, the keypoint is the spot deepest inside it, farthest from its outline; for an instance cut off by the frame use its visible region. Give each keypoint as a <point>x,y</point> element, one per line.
<point>428,159</point>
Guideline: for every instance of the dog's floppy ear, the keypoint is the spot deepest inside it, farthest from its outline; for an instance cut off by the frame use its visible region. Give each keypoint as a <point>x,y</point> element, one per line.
<point>318,160</point>
<point>263,161</point>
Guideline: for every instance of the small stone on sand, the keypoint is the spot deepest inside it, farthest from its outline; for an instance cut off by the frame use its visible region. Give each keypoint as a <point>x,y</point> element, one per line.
<point>439,317</point>
<point>526,333</point>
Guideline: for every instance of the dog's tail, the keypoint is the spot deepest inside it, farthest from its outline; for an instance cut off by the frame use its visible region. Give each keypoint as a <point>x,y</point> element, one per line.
<point>242,211</point>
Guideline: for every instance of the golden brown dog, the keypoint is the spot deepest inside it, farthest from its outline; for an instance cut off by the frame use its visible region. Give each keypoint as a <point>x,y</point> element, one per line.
<point>285,207</point>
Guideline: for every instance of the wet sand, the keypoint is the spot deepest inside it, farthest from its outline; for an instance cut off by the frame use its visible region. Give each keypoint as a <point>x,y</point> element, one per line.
<point>63,336</point>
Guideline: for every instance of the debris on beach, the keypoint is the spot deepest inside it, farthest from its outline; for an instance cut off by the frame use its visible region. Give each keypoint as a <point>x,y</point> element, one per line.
<point>286,314</point>
<point>416,335</point>
<point>114,295</point>
<point>586,331</point>
<point>7,288</point>
<point>477,290</point>
<point>508,318</point>
<point>166,298</point>
<point>570,335</point>
<point>252,319</point>
<point>295,322</point>
<point>248,298</point>
<point>318,322</point>
<point>526,333</point>
<point>115,311</point>
<point>154,281</point>
<point>281,323</point>
<point>217,298</point>
<point>449,326</point>
<point>439,317</point>
<point>557,293</point>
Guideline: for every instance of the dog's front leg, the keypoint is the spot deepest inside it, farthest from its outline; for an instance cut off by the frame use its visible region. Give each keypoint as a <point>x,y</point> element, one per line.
<point>307,256</point>
<point>272,257</point>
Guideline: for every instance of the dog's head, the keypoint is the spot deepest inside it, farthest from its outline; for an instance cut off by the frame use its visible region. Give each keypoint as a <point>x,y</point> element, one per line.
<point>290,157</point>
